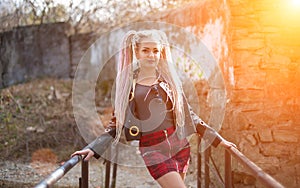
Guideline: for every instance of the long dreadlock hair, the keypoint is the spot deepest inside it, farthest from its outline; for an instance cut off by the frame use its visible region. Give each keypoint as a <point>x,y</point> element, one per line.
<point>128,67</point>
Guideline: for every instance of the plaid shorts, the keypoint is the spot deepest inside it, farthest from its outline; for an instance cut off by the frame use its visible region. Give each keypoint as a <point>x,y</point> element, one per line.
<point>163,152</point>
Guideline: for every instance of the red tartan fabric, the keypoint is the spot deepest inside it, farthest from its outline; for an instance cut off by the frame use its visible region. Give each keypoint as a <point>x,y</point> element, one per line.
<point>164,153</point>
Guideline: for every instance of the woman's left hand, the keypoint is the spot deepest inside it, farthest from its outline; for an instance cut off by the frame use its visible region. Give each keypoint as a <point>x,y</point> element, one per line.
<point>227,144</point>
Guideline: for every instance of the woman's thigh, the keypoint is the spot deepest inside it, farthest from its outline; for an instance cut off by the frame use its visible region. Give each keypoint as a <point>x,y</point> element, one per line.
<point>171,179</point>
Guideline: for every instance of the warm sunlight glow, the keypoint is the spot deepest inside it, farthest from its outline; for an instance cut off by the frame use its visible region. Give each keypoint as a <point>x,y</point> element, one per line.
<point>290,14</point>
<point>296,3</point>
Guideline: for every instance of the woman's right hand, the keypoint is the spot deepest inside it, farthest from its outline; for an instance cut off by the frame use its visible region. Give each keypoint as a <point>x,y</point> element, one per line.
<point>87,153</point>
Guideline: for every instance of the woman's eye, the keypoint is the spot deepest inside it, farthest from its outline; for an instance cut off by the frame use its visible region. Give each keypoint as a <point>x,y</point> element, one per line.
<point>146,51</point>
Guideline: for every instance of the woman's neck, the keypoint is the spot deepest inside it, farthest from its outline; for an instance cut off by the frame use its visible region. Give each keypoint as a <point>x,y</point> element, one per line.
<point>147,77</point>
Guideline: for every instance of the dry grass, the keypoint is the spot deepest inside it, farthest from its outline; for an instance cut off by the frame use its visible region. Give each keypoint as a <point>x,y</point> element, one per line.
<point>37,115</point>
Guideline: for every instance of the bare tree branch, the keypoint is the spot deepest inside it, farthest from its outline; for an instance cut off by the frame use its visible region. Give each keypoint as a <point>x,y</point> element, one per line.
<point>85,16</point>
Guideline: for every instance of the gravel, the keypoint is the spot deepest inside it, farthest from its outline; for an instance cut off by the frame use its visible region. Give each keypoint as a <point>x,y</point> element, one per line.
<point>14,174</point>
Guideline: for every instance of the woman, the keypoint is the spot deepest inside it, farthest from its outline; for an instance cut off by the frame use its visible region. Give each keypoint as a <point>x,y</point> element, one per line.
<point>150,106</point>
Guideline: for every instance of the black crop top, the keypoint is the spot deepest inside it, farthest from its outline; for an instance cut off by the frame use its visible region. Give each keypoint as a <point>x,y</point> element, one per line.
<point>153,108</point>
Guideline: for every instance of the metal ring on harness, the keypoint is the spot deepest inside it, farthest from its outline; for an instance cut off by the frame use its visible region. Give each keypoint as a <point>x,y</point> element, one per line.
<point>134,130</point>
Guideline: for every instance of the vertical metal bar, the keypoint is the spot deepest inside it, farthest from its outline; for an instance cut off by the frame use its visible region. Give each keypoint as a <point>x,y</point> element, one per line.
<point>114,178</point>
<point>198,163</point>
<point>114,175</point>
<point>228,172</point>
<point>84,174</point>
<point>206,167</point>
<point>107,174</point>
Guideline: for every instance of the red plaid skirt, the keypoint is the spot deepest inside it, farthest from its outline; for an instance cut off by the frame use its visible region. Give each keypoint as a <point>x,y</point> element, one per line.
<point>163,152</point>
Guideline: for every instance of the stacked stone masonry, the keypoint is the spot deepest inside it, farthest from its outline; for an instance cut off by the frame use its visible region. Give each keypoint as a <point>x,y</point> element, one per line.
<point>265,95</point>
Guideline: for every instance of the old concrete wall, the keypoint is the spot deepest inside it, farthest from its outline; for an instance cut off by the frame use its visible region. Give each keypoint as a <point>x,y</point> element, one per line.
<point>39,51</point>
<point>35,51</point>
<point>78,45</point>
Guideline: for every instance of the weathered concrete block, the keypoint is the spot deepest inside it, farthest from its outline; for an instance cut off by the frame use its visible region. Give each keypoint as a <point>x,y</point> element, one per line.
<point>285,136</point>
<point>251,138</point>
<point>239,121</point>
<point>265,5</point>
<point>247,96</point>
<point>265,135</point>
<point>269,164</point>
<point>281,117</point>
<point>258,119</point>
<point>247,44</point>
<point>244,21</point>
<point>240,32</point>
<point>246,59</point>
<point>275,149</point>
<point>269,18</point>
<point>293,52</point>
<point>252,152</point>
<point>276,62</point>
<point>270,29</point>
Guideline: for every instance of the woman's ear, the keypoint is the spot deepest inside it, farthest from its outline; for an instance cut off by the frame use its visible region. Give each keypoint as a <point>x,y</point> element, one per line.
<point>163,53</point>
<point>137,55</point>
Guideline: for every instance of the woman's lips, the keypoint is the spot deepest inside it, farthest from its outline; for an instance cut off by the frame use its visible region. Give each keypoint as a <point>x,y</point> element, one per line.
<point>151,61</point>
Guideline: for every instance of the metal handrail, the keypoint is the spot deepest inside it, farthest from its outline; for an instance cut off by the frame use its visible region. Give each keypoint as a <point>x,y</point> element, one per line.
<point>103,142</point>
<point>62,170</point>
<point>253,169</point>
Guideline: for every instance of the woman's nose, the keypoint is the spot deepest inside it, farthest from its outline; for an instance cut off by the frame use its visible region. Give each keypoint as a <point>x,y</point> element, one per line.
<point>151,54</point>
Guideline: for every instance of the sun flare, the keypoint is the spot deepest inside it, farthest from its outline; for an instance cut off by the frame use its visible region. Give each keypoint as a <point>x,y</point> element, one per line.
<point>296,3</point>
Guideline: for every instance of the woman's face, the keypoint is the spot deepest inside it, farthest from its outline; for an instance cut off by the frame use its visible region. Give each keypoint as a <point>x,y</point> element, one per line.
<point>148,52</point>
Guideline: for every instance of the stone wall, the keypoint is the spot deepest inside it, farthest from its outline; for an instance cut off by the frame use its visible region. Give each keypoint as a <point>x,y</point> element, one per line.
<point>257,45</point>
<point>263,113</point>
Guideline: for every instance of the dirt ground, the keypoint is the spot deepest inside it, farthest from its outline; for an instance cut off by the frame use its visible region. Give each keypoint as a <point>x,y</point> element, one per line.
<point>35,116</point>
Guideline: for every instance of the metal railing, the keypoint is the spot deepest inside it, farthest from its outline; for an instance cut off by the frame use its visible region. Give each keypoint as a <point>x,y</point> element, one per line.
<point>254,170</point>
<point>230,153</point>
<point>62,170</point>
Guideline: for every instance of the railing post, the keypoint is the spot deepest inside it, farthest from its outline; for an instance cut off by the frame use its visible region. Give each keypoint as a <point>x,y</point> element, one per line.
<point>228,172</point>
<point>115,166</point>
<point>198,164</point>
<point>114,177</point>
<point>84,180</point>
<point>206,167</point>
<point>107,173</point>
